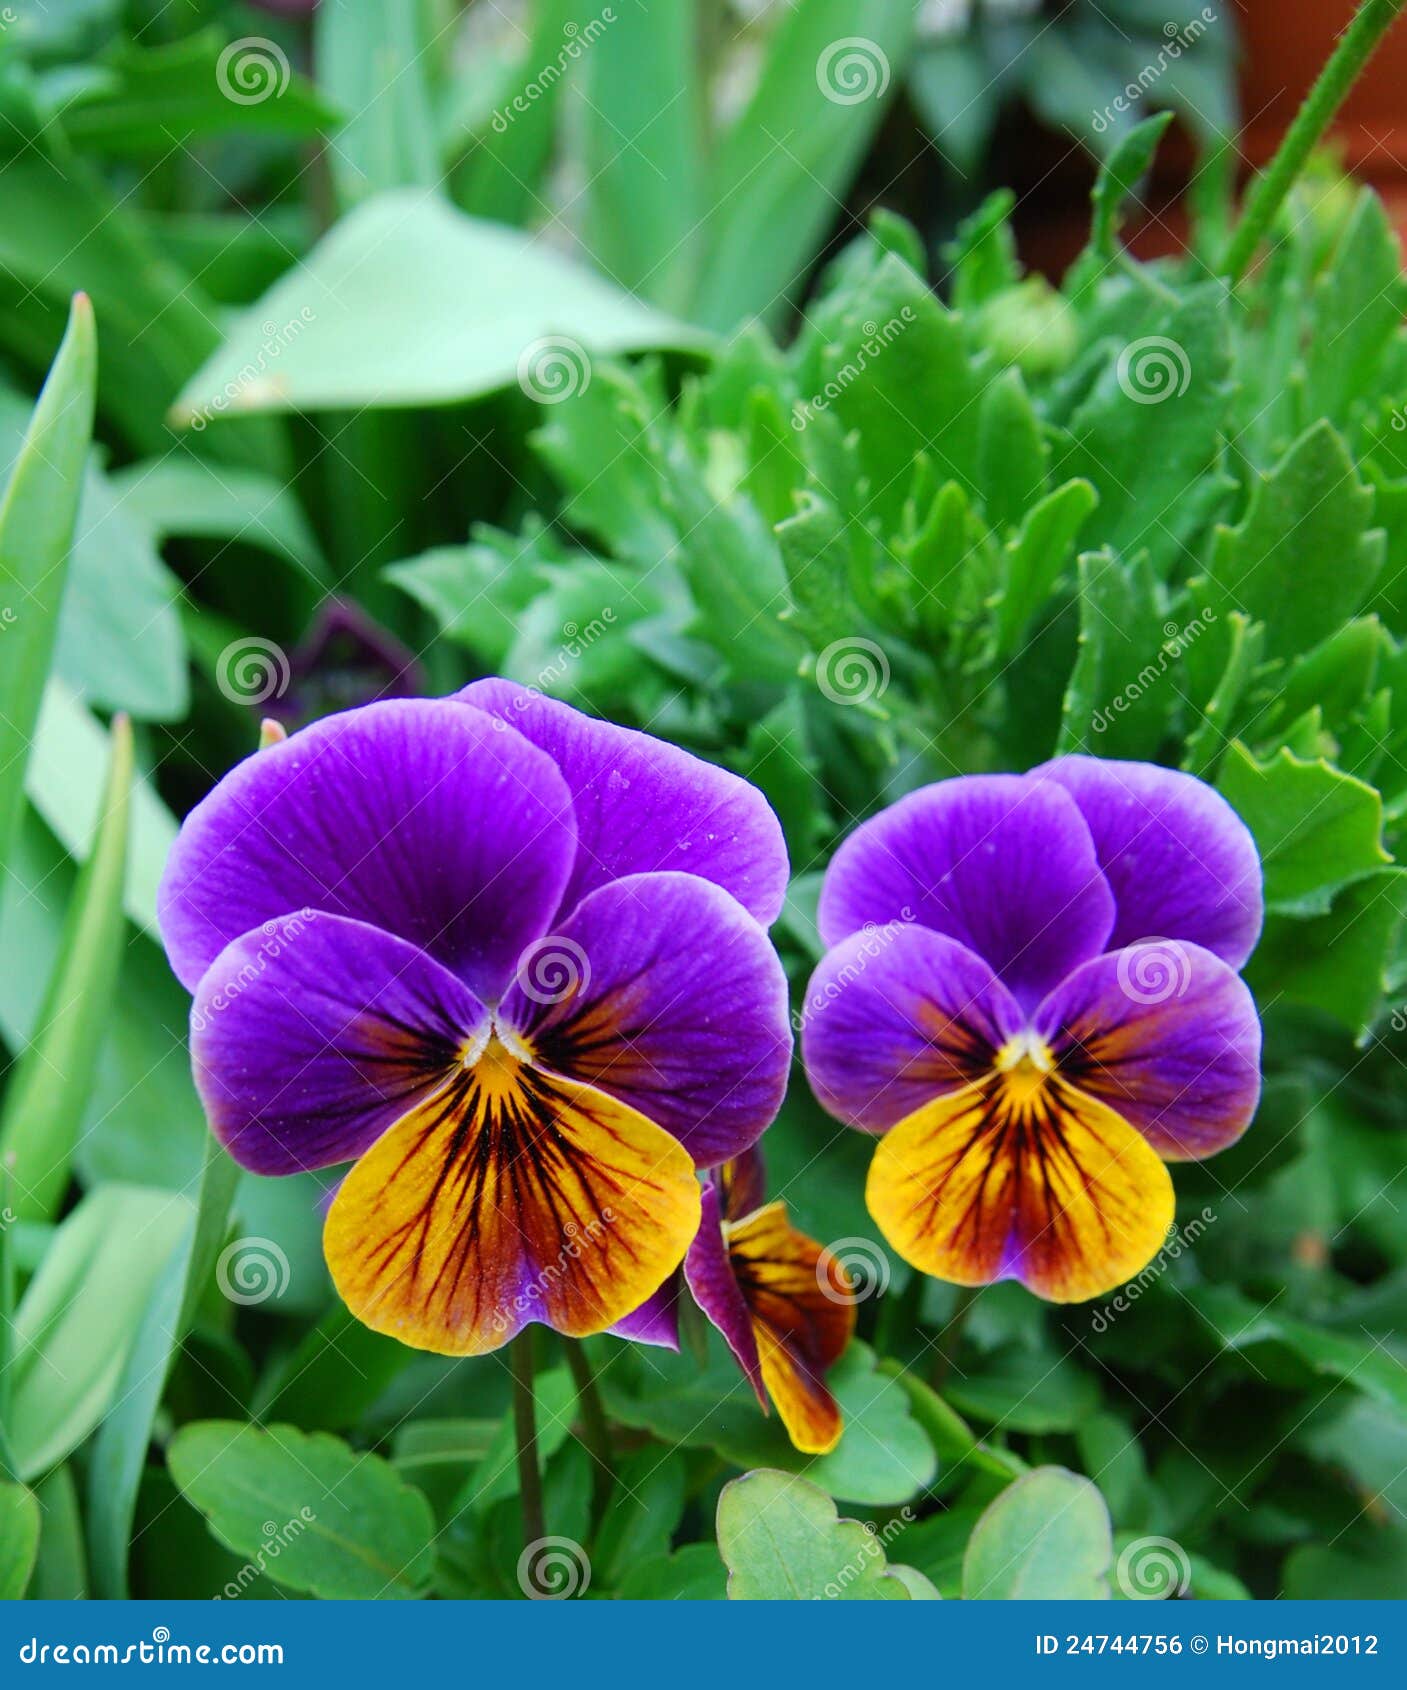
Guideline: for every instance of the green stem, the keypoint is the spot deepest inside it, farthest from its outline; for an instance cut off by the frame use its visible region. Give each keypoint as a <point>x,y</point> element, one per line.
<point>1356,46</point>
<point>520,1360</point>
<point>951,1336</point>
<point>593,1422</point>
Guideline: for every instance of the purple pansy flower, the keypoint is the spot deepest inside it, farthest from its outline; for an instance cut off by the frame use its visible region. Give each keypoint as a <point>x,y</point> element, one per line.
<point>510,962</point>
<point>783,1303</point>
<point>1032,993</point>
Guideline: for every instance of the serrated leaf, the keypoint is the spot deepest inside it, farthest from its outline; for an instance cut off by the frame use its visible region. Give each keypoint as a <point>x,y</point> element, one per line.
<point>782,1540</point>
<point>1316,828</point>
<point>1046,1537</point>
<point>307,1508</point>
<point>1036,557</point>
<point>1304,559</point>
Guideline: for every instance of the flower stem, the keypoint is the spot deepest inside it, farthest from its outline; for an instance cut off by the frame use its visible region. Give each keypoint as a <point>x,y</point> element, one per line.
<point>597,1433</point>
<point>520,1360</point>
<point>951,1336</point>
<point>1356,46</point>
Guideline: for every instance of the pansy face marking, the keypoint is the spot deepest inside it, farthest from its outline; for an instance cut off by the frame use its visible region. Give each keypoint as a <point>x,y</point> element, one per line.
<point>371,916</point>
<point>784,1305</point>
<point>1032,1054</point>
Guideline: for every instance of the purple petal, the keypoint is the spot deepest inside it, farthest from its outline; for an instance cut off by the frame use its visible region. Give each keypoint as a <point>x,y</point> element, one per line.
<point>896,1016</point>
<point>661,990</point>
<point>1181,862</point>
<point>656,1321</point>
<point>1167,1035</point>
<point>1003,864</point>
<point>708,1270</point>
<point>429,820</point>
<point>642,804</point>
<point>311,1035</point>
<point>742,1184</point>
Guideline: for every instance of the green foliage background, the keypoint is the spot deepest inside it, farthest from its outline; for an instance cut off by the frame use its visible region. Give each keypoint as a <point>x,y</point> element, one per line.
<point>926,516</point>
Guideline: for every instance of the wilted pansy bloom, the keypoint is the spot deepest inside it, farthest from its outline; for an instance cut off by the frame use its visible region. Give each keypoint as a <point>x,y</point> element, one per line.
<point>510,962</point>
<point>1032,992</point>
<point>783,1303</point>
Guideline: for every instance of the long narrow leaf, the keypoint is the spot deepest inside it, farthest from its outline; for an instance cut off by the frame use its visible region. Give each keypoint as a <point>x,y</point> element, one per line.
<point>51,1083</point>
<point>37,521</point>
<point>783,169</point>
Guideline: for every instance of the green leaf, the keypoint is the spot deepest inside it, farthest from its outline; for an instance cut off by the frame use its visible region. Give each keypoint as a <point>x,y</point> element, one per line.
<point>1046,1537</point>
<point>19,1540</point>
<point>72,753</point>
<point>154,99</point>
<point>37,519</point>
<point>1340,962</point>
<point>311,1511</point>
<point>643,1517</point>
<point>1119,178</point>
<point>883,1457</point>
<point>332,1377</point>
<point>1149,435</point>
<point>952,1438</point>
<point>1123,689</point>
<point>372,61</point>
<point>60,1573</point>
<point>1316,828</point>
<point>692,1574</point>
<point>642,151</point>
<point>409,302</point>
<point>79,1318</point>
<point>120,1449</point>
<point>1036,558</point>
<point>1304,559</point>
<point>787,160</point>
<point>1357,312</point>
<point>1244,643</point>
<point>49,1086</point>
<point>781,1540</point>
<point>1017,1389</point>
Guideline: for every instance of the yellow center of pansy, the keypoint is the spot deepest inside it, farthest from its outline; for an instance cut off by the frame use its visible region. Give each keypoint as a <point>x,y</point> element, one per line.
<point>1025,1062</point>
